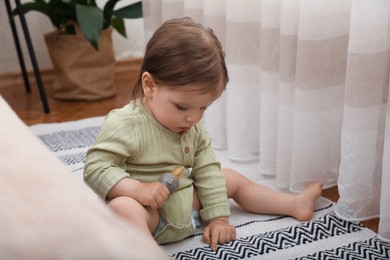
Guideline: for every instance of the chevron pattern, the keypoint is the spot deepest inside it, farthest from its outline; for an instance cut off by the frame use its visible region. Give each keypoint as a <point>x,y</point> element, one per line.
<point>68,140</point>
<point>72,159</point>
<point>262,244</point>
<point>373,249</point>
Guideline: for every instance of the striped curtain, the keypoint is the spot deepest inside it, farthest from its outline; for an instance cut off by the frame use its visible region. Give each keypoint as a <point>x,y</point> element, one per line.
<point>308,92</point>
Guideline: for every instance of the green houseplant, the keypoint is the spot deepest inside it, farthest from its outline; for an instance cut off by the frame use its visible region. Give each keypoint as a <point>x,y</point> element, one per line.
<point>91,18</point>
<point>81,48</point>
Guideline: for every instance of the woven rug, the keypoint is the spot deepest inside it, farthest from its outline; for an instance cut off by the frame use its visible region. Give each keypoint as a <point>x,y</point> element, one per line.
<point>326,236</point>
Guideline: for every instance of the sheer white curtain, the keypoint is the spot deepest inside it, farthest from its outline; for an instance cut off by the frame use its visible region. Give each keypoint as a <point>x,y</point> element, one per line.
<point>308,92</point>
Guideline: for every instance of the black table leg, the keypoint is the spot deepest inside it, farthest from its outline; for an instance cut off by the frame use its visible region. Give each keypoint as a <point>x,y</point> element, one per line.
<point>30,50</point>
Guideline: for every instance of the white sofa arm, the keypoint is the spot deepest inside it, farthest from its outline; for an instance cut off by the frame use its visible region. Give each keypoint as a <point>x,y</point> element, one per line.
<point>47,213</point>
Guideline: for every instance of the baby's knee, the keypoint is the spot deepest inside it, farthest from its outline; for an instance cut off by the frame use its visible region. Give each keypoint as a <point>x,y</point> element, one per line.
<point>120,204</point>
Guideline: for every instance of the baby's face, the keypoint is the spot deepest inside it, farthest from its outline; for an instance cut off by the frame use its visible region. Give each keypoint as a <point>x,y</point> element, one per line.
<point>179,108</point>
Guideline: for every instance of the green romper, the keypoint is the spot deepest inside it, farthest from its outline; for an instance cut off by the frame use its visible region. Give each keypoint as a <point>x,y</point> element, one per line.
<point>132,144</point>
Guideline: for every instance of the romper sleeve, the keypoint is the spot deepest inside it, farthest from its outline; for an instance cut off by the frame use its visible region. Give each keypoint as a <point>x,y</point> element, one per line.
<point>105,163</point>
<point>209,180</point>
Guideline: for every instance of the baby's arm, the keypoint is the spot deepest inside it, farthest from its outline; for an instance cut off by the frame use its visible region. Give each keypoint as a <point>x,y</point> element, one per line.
<point>147,194</point>
<point>211,190</point>
<point>219,231</point>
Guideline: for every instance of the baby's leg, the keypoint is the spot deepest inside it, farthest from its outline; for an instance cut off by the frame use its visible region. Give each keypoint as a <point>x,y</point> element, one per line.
<point>147,219</point>
<point>257,198</point>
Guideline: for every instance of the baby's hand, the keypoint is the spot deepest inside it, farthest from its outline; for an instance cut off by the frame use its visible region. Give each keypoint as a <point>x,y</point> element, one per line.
<point>219,231</point>
<point>151,194</point>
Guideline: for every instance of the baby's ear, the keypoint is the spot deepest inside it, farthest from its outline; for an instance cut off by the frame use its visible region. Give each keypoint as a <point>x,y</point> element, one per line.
<point>148,84</point>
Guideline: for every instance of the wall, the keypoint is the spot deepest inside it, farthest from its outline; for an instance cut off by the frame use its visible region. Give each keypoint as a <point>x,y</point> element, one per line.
<point>39,24</point>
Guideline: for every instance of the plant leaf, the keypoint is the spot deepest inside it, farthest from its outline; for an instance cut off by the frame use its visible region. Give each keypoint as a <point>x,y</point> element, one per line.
<point>90,19</point>
<point>34,6</point>
<point>130,11</point>
<point>82,2</point>
<point>61,13</point>
<point>119,25</point>
<point>107,12</point>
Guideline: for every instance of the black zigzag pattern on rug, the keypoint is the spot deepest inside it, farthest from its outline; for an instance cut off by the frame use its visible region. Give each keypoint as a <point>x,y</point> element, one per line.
<point>325,227</point>
<point>275,218</point>
<point>373,249</point>
<point>70,139</point>
<point>72,159</point>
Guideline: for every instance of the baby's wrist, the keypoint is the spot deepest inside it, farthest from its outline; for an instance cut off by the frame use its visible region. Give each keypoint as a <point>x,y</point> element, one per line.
<point>220,219</point>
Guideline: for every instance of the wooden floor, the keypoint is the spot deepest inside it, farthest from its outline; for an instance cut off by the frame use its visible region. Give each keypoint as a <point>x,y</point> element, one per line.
<point>29,108</point>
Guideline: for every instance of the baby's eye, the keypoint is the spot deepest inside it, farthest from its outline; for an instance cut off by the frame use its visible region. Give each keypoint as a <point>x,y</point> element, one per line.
<point>181,107</point>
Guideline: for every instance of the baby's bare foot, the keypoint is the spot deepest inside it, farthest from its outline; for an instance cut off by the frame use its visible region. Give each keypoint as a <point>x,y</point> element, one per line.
<point>306,201</point>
